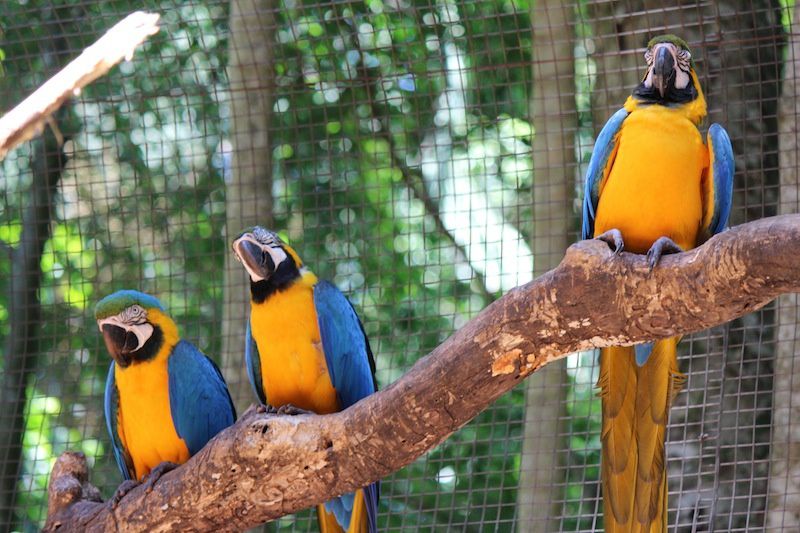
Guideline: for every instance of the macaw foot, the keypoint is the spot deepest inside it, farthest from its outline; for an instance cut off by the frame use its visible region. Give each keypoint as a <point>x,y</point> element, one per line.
<point>126,486</point>
<point>662,246</point>
<point>286,409</point>
<point>267,408</point>
<point>156,473</point>
<point>292,410</point>
<point>613,238</point>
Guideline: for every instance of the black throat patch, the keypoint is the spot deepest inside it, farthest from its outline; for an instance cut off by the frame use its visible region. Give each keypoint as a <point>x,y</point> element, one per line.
<point>146,352</point>
<point>283,277</point>
<point>671,97</point>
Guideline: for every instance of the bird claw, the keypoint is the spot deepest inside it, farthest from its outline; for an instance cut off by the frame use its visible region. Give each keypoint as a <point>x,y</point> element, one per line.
<point>613,238</point>
<point>126,486</point>
<point>292,410</point>
<point>156,473</point>
<point>268,409</point>
<point>285,409</point>
<point>662,246</point>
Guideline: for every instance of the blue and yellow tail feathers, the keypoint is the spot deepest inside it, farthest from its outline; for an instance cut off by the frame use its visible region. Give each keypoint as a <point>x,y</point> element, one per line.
<point>636,402</point>
<point>359,519</point>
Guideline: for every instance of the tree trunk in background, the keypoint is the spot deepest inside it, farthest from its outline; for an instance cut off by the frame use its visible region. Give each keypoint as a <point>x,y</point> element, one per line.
<point>249,177</point>
<point>784,485</point>
<point>554,117</point>
<point>21,350</point>
<point>24,311</point>
<point>737,49</point>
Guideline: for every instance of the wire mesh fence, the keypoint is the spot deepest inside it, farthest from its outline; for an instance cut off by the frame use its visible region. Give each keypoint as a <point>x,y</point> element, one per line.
<point>426,156</point>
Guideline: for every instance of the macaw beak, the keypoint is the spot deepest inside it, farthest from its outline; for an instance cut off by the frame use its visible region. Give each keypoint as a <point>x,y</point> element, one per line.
<point>121,341</point>
<point>117,343</point>
<point>256,260</point>
<point>663,69</point>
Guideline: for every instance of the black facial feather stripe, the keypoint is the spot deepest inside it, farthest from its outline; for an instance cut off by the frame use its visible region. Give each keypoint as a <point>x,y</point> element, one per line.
<point>284,276</point>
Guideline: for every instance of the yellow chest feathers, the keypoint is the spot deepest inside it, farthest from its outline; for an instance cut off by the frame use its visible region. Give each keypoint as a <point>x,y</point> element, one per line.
<point>293,367</point>
<point>654,187</point>
<point>145,421</point>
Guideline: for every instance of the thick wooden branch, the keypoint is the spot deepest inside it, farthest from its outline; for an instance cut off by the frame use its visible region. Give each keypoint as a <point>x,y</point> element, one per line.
<point>266,466</point>
<point>28,118</point>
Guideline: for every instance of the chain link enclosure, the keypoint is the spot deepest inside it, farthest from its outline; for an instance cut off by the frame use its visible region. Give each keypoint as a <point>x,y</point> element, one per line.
<point>426,156</point>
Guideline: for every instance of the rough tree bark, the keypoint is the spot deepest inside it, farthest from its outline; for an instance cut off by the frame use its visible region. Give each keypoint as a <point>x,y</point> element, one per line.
<point>28,118</point>
<point>266,466</point>
<point>248,191</point>
<point>553,113</point>
<point>783,508</point>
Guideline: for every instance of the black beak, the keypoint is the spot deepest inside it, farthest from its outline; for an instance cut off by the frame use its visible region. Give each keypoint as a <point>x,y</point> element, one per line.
<point>663,70</point>
<point>120,343</point>
<point>256,259</point>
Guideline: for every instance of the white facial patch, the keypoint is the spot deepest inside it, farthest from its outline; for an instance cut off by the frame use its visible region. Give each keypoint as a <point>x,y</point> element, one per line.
<point>681,78</point>
<point>277,254</point>
<point>143,333</point>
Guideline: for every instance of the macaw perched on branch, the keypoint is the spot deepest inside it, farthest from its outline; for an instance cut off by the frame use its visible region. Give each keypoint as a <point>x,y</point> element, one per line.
<point>164,398</point>
<point>306,349</point>
<point>652,187</point>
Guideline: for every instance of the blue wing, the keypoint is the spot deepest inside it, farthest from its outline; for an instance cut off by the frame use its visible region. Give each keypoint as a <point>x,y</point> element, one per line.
<point>720,195</point>
<point>252,361</point>
<point>111,408</point>
<point>198,397</point>
<point>352,370</point>
<point>347,352</point>
<point>604,148</point>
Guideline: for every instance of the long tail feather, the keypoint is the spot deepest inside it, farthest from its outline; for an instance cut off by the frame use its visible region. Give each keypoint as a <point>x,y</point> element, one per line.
<point>357,517</point>
<point>327,521</point>
<point>636,403</point>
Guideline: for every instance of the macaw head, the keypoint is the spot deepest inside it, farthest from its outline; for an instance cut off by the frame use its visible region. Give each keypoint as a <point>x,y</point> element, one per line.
<point>670,78</point>
<point>134,326</point>
<point>269,261</point>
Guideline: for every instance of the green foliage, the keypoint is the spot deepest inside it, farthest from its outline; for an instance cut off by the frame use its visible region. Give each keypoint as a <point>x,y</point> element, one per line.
<point>401,171</point>
<point>363,93</point>
<point>140,205</point>
<point>787,14</point>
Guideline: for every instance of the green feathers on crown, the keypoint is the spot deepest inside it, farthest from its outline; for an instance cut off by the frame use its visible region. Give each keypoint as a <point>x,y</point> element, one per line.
<point>114,303</point>
<point>669,38</point>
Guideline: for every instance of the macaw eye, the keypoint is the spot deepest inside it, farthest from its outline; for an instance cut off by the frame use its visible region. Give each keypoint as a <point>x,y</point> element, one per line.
<point>134,314</point>
<point>648,56</point>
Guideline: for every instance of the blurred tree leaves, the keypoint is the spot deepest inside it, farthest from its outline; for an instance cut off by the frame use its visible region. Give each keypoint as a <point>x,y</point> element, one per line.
<point>369,98</point>
<point>401,171</point>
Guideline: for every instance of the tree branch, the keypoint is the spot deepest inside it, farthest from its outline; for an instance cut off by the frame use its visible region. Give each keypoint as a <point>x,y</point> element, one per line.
<point>266,466</point>
<point>28,118</point>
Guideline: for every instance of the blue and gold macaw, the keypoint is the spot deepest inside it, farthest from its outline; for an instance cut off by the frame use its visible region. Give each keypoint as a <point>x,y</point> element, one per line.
<point>306,348</point>
<point>652,187</point>
<point>164,398</point>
